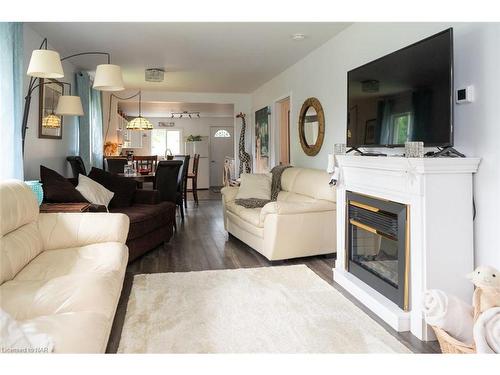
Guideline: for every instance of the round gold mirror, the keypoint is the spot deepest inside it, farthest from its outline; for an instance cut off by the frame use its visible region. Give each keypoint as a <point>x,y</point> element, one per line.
<point>311,126</point>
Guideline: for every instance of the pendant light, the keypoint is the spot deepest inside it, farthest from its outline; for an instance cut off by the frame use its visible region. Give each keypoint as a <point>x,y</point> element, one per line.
<point>140,123</point>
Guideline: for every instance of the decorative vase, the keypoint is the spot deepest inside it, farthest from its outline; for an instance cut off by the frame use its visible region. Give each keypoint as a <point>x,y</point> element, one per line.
<point>36,186</point>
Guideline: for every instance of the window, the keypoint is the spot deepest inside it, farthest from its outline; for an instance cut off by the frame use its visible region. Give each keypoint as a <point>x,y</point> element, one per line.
<point>174,141</point>
<point>222,133</point>
<point>401,124</point>
<point>158,141</point>
<point>163,139</point>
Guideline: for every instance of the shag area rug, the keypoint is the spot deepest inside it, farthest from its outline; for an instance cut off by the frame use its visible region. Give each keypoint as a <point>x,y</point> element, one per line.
<point>286,309</point>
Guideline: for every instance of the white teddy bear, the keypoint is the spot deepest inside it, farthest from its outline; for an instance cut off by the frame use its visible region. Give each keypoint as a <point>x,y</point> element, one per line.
<point>487,293</point>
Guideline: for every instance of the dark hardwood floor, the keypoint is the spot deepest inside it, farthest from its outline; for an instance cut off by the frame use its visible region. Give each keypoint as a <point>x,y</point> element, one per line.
<point>201,243</point>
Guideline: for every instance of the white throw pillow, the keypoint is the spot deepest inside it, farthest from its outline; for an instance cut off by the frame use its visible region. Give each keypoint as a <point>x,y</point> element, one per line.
<point>93,191</point>
<point>256,186</point>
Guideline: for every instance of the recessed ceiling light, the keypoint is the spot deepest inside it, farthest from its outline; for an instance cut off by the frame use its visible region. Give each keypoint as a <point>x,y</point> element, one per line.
<point>298,36</point>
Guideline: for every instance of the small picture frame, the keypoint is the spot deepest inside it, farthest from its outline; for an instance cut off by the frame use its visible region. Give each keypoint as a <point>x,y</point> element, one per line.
<point>370,127</point>
<point>49,93</point>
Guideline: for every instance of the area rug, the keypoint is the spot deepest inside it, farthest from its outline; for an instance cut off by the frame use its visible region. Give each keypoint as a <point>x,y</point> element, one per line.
<point>286,309</point>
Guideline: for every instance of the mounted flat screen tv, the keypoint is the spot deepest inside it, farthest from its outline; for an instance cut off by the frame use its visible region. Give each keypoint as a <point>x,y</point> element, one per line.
<point>404,96</point>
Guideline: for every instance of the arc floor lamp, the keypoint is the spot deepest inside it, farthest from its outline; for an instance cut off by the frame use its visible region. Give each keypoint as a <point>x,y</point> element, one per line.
<point>45,63</point>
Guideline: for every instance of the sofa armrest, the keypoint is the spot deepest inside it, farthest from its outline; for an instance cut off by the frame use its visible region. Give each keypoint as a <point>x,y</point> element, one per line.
<point>229,193</point>
<point>147,196</point>
<point>65,230</point>
<point>293,208</point>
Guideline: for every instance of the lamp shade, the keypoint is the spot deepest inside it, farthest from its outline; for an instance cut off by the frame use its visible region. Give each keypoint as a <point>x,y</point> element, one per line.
<point>108,77</point>
<point>69,105</point>
<point>45,63</point>
<point>140,123</point>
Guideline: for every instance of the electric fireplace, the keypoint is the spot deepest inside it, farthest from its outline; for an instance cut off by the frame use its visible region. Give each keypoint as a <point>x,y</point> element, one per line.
<point>378,245</point>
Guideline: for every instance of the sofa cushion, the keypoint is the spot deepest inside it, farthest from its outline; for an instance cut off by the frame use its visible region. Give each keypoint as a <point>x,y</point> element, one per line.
<point>245,225</point>
<point>87,278</point>
<point>96,258</point>
<point>73,332</point>
<point>252,216</point>
<point>145,218</point>
<point>287,196</point>
<point>17,249</point>
<point>124,188</point>
<point>57,189</point>
<point>15,336</point>
<point>310,182</point>
<point>96,292</point>
<point>93,191</point>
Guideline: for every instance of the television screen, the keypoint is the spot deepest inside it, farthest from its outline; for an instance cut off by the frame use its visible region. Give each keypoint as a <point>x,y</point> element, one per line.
<point>404,96</point>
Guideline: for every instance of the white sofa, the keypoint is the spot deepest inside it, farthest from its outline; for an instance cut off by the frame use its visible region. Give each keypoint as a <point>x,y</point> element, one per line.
<point>302,222</point>
<point>60,273</point>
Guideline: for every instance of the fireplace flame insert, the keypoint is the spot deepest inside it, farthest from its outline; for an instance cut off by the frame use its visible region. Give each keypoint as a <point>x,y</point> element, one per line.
<point>378,245</point>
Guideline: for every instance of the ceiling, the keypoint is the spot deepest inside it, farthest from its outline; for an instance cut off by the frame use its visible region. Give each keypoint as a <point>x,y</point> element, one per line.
<point>164,109</point>
<point>198,57</point>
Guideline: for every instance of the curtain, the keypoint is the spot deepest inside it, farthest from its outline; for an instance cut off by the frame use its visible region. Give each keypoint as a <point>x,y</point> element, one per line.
<point>90,124</point>
<point>97,146</point>
<point>11,99</point>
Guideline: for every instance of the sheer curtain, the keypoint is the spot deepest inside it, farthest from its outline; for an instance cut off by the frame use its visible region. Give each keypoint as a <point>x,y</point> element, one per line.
<point>11,99</point>
<point>90,124</point>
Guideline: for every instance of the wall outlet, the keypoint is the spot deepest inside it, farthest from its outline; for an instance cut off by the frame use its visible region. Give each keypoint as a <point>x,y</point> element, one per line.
<point>464,95</point>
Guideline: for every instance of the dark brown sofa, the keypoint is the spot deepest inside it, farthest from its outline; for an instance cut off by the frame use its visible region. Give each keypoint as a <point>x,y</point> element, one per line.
<point>151,220</point>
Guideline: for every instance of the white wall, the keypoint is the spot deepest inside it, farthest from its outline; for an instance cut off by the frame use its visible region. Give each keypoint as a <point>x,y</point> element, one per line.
<point>40,151</point>
<point>322,74</point>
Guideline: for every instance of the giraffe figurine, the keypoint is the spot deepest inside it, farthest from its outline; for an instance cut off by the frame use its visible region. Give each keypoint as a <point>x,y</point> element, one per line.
<point>242,154</point>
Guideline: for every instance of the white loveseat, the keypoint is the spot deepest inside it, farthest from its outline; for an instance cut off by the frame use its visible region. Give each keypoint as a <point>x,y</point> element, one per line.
<point>60,273</point>
<point>302,222</point>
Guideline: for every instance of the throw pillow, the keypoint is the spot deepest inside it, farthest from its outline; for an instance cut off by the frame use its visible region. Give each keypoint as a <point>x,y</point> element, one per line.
<point>124,188</point>
<point>57,189</point>
<point>256,186</point>
<point>93,191</point>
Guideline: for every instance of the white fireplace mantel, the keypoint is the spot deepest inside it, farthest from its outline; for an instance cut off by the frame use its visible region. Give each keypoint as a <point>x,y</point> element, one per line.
<point>438,193</point>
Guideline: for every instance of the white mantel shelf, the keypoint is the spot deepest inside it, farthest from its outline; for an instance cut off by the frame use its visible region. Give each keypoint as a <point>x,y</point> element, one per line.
<point>418,165</point>
<point>438,192</point>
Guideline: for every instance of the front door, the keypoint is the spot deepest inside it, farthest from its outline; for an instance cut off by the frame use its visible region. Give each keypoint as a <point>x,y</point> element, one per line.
<point>221,145</point>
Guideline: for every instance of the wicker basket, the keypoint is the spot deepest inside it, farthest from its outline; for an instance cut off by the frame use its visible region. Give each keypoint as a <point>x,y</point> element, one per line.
<point>450,345</point>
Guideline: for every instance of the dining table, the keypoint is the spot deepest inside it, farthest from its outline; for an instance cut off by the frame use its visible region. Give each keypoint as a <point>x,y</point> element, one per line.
<point>140,178</point>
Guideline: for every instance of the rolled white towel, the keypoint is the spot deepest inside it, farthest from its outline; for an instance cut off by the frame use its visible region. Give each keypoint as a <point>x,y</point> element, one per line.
<point>450,314</point>
<point>487,331</point>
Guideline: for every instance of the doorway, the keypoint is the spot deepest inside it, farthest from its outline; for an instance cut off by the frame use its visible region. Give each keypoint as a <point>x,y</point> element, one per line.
<point>283,126</point>
<point>221,145</point>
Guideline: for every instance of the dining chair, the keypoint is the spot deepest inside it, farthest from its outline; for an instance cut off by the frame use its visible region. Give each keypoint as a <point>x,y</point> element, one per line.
<point>194,178</point>
<point>184,172</point>
<point>115,165</point>
<point>168,183</point>
<point>146,162</point>
<point>77,165</point>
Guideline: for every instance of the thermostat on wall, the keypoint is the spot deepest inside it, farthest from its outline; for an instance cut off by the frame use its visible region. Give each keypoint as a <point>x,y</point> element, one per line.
<point>465,95</point>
